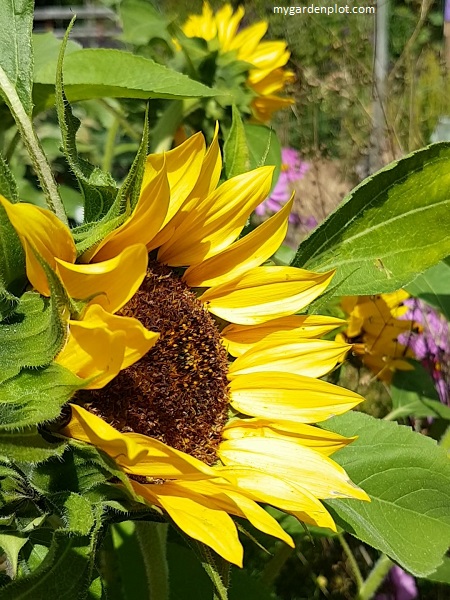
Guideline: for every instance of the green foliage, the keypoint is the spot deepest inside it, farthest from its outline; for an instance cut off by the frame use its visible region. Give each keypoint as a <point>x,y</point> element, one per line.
<point>414,394</point>
<point>407,477</point>
<point>391,227</point>
<point>235,148</point>
<point>12,265</point>
<point>433,286</point>
<point>16,17</point>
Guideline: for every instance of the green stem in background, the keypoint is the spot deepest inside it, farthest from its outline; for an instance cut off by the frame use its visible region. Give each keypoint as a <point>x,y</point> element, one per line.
<point>375,578</point>
<point>352,560</point>
<point>122,118</point>
<point>397,412</point>
<point>276,563</point>
<point>110,145</point>
<point>31,141</point>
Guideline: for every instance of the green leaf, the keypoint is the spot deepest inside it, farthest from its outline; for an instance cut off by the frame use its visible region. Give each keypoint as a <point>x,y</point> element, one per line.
<point>100,73</point>
<point>188,580</point>
<point>216,567</point>
<point>28,446</point>
<point>235,150</point>
<point>142,23</point>
<point>32,336</point>
<point>46,49</point>
<point>433,286</point>
<point>413,394</point>
<point>12,265</point>
<point>8,186</point>
<point>407,477</point>
<point>264,148</point>
<point>65,572</point>
<point>35,396</point>
<point>391,227</point>
<point>16,59</point>
<point>12,543</point>
<point>442,573</point>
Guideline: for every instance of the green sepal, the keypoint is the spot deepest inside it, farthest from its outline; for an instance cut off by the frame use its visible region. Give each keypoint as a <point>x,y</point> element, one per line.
<point>98,187</point>
<point>75,510</point>
<point>11,542</point>
<point>235,149</point>
<point>28,446</point>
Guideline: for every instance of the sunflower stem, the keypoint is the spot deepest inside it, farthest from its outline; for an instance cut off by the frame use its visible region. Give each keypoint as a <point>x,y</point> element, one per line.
<point>352,560</point>
<point>375,578</point>
<point>33,146</point>
<point>152,539</point>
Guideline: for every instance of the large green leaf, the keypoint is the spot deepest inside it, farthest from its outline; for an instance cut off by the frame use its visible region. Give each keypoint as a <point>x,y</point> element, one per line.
<point>391,227</point>
<point>264,148</point>
<point>413,394</point>
<point>433,286</point>
<point>36,396</point>
<point>16,59</point>
<point>407,477</point>
<point>99,73</point>
<point>141,22</point>
<point>442,573</point>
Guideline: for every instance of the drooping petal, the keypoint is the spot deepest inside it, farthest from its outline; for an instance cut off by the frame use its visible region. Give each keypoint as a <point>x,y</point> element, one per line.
<point>217,221</point>
<point>288,354</point>
<point>101,345</point>
<point>237,504</point>
<point>293,397</point>
<point>227,24</point>
<point>248,252</point>
<point>261,486</point>
<point>137,454</point>
<point>238,339</point>
<point>247,40</point>
<point>292,462</point>
<point>142,225</point>
<point>40,230</point>
<point>325,442</point>
<point>110,283</point>
<point>265,293</point>
<point>197,517</point>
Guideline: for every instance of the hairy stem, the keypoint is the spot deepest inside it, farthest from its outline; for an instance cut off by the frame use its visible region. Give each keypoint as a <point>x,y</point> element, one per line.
<point>375,578</point>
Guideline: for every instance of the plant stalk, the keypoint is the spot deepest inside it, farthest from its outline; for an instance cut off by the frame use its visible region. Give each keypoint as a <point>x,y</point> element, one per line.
<point>375,578</point>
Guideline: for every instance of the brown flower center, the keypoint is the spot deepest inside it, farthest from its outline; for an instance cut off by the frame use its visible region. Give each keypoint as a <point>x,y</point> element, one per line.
<point>177,392</point>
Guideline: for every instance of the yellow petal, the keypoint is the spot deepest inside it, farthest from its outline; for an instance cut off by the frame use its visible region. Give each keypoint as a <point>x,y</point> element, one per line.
<point>142,225</point>
<point>238,339</point>
<point>237,504</point>
<point>285,495</point>
<point>292,462</point>
<point>195,515</point>
<point>289,354</point>
<point>183,166</point>
<point>102,344</point>
<point>289,397</point>
<point>205,184</point>
<point>325,442</point>
<point>45,233</point>
<point>227,24</point>
<point>265,293</point>
<point>218,220</point>
<point>112,282</point>
<point>248,39</point>
<point>248,252</point>
<point>137,454</point>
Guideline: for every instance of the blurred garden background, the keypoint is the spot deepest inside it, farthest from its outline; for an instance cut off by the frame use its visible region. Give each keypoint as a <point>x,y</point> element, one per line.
<point>368,89</point>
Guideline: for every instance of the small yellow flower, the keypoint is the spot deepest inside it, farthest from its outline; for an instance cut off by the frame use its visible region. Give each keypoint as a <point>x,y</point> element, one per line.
<point>267,76</point>
<point>374,329</point>
<point>217,416</point>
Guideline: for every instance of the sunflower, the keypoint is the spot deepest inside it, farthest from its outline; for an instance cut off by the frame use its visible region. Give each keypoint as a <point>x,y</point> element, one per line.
<point>266,75</point>
<point>374,329</point>
<point>216,417</point>
<point>98,343</point>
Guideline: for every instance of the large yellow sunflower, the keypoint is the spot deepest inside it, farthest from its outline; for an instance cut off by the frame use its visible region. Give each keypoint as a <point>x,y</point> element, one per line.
<point>266,77</point>
<point>216,417</point>
<point>374,328</point>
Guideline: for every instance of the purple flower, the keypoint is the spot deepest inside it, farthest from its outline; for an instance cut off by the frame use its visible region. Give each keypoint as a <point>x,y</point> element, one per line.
<point>292,169</point>
<point>400,586</point>
<point>431,346</point>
